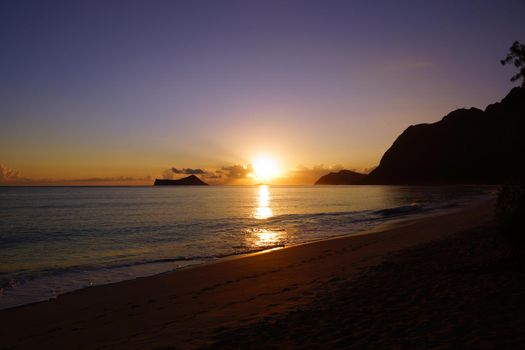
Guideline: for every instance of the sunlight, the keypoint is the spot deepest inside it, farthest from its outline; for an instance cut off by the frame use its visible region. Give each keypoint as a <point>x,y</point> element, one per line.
<point>263,211</point>
<point>265,238</point>
<point>265,168</point>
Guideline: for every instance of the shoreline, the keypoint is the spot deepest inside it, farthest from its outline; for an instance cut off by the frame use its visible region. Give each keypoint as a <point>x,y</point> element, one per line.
<point>463,291</point>
<point>278,280</point>
<point>388,223</point>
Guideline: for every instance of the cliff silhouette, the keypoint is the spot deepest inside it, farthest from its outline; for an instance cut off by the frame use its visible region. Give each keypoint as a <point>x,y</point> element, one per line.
<point>343,177</point>
<point>191,180</point>
<point>468,146</point>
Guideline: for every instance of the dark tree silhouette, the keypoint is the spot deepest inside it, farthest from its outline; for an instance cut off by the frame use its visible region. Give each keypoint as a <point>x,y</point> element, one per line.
<point>516,56</point>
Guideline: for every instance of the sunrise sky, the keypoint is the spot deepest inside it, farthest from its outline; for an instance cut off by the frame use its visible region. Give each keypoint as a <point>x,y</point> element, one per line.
<point>122,92</point>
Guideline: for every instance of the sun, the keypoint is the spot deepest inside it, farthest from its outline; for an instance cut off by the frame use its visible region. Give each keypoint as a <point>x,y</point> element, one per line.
<point>265,168</point>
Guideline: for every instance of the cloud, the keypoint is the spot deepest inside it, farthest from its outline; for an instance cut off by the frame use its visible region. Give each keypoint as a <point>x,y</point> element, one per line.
<point>228,174</point>
<point>169,173</point>
<point>105,179</point>
<point>236,171</point>
<point>369,170</point>
<point>241,174</point>
<point>188,171</point>
<point>7,174</point>
<point>11,177</point>
<point>213,176</point>
<point>410,65</point>
<point>308,175</point>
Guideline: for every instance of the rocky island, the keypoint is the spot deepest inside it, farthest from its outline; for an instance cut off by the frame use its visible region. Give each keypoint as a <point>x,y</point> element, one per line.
<point>191,180</point>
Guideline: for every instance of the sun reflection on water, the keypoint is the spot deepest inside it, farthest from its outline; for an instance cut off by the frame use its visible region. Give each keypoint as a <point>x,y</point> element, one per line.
<point>265,238</point>
<point>263,210</point>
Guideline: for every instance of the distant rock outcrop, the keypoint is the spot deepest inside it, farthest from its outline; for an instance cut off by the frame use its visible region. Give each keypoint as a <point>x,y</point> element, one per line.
<point>191,180</point>
<point>468,146</point>
<point>343,177</point>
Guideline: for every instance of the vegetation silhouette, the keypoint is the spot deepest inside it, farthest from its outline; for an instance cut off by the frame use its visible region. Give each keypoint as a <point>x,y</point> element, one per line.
<point>510,216</point>
<point>516,56</point>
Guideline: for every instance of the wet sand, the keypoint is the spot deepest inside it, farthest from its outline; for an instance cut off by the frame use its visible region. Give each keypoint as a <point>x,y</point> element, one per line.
<point>236,303</point>
<point>465,291</point>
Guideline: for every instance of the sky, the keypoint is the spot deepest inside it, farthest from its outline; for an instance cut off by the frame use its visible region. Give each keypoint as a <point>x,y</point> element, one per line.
<point>123,92</point>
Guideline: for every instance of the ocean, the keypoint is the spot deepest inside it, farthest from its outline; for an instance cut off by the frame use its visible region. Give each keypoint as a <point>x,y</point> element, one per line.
<point>59,239</point>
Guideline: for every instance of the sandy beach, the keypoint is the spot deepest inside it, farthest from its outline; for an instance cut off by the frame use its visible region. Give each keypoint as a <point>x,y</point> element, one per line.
<point>325,294</point>
<point>262,174</point>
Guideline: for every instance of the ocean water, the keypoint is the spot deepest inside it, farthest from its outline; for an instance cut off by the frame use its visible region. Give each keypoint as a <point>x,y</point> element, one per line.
<point>58,239</point>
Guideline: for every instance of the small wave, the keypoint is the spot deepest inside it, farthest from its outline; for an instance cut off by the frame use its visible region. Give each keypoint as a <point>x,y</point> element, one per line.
<point>353,216</point>
<point>9,282</point>
<point>401,210</point>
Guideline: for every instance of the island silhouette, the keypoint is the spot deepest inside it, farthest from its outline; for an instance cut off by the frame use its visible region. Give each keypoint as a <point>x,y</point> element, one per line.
<point>191,180</point>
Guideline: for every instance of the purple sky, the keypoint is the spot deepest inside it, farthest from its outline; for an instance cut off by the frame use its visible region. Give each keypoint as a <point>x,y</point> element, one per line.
<point>128,89</point>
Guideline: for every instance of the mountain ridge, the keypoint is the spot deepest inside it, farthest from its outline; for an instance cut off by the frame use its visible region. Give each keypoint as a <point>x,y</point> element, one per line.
<point>343,177</point>
<point>467,146</point>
